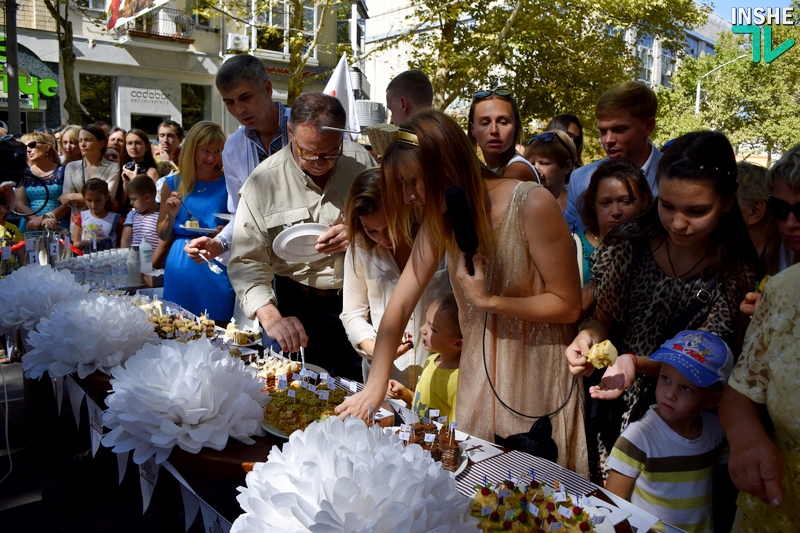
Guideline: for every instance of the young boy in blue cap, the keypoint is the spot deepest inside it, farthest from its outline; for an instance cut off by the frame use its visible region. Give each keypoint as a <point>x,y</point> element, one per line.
<point>664,463</point>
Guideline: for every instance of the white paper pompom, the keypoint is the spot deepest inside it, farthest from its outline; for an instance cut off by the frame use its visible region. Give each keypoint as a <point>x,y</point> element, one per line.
<point>30,293</point>
<point>345,477</point>
<point>186,394</point>
<point>83,336</point>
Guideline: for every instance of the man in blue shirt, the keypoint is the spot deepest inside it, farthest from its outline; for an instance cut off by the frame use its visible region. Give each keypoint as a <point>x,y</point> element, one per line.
<point>626,116</point>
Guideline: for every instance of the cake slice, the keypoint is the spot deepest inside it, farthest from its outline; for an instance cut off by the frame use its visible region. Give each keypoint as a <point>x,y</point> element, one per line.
<point>602,354</point>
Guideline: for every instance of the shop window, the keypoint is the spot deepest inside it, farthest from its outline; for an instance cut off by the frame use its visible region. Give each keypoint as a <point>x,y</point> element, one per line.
<point>97,95</point>
<point>195,104</point>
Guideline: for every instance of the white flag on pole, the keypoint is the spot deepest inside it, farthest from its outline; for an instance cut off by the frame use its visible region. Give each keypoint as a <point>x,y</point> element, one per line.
<point>341,87</point>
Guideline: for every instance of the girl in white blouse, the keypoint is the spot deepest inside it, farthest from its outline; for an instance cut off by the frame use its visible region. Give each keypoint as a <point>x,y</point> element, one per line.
<point>372,268</point>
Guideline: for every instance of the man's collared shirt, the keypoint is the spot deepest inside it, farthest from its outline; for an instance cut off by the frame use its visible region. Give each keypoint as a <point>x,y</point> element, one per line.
<point>279,194</point>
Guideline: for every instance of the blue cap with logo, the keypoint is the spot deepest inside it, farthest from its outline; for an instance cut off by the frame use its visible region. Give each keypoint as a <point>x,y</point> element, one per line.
<point>701,356</point>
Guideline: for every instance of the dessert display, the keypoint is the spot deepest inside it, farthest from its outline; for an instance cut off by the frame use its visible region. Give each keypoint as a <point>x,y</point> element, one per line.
<point>296,404</point>
<point>271,367</point>
<point>602,354</point>
<point>510,506</point>
<point>181,328</point>
<point>243,336</point>
<point>439,441</point>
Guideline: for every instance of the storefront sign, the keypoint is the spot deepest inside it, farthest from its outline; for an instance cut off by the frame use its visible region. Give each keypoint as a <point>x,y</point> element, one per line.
<point>30,86</point>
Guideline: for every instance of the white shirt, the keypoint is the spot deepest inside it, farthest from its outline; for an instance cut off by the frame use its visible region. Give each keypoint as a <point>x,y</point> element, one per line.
<point>370,276</point>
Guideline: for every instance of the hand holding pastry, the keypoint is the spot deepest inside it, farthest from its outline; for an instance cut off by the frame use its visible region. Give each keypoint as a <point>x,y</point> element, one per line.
<point>576,354</point>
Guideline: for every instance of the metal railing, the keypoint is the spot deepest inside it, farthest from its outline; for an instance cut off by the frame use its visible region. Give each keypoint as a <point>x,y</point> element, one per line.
<point>163,23</point>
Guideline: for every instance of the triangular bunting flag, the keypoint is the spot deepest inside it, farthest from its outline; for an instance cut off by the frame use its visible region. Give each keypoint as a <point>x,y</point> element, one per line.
<point>148,475</point>
<point>191,503</point>
<point>212,521</point>
<point>58,390</point>
<point>75,399</point>
<point>122,465</point>
<point>95,424</point>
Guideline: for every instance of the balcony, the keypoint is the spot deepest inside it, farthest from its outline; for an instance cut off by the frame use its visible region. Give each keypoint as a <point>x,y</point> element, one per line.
<point>162,24</point>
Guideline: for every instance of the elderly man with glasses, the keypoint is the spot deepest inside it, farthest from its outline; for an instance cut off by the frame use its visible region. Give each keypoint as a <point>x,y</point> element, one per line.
<point>306,181</point>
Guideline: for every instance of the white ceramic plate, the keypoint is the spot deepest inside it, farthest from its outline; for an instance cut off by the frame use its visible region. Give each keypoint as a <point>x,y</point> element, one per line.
<point>208,231</point>
<point>296,244</point>
<point>223,216</point>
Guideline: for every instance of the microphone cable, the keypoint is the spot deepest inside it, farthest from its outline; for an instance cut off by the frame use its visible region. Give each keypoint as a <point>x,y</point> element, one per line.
<point>504,404</point>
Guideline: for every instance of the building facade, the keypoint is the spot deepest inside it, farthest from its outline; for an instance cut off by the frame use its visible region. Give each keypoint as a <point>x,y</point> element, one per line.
<point>160,65</point>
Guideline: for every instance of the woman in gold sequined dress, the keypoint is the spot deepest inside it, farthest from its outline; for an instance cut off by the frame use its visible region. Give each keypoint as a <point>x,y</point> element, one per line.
<point>525,288</point>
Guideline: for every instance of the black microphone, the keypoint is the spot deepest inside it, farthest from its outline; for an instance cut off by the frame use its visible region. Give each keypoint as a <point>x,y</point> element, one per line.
<point>462,222</point>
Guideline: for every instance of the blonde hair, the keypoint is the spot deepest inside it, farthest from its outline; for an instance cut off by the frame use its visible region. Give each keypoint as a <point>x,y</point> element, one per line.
<point>444,156</point>
<point>43,138</point>
<point>203,134</point>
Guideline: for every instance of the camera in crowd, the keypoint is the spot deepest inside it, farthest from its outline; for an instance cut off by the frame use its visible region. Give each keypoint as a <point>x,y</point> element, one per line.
<point>130,165</point>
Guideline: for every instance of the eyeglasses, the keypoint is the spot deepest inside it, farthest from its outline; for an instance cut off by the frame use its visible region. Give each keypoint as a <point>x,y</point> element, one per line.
<point>310,156</point>
<point>499,91</point>
<point>780,210</point>
<point>33,144</point>
<point>547,137</point>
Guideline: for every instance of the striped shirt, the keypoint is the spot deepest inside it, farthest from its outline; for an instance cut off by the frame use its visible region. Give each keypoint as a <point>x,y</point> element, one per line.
<point>674,475</point>
<point>144,226</point>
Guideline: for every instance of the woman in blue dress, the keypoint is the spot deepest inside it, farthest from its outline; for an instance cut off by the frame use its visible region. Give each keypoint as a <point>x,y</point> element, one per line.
<point>201,186</point>
<point>43,163</point>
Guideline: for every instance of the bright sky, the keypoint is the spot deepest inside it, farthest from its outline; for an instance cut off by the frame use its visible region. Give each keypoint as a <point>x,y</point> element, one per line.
<point>723,7</point>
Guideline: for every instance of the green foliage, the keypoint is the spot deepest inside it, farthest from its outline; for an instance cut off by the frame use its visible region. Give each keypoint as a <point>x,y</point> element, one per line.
<point>757,105</point>
<point>558,56</point>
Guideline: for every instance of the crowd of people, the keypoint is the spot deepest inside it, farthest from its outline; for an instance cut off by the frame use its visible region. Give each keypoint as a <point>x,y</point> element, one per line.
<point>659,252</point>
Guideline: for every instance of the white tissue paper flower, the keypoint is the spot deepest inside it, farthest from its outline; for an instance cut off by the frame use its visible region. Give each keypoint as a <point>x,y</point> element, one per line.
<point>83,336</point>
<point>341,476</point>
<point>30,293</point>
<point>186,394</point>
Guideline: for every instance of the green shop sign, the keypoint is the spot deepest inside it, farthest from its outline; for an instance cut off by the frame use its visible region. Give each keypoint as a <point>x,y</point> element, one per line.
<point>29,86</point>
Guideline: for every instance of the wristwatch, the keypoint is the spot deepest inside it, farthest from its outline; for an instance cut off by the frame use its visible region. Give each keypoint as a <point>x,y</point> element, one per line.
<point>224,242</point>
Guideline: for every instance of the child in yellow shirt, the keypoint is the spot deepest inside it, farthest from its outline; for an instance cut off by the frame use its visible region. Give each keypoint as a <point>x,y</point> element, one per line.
<point>437,385</point>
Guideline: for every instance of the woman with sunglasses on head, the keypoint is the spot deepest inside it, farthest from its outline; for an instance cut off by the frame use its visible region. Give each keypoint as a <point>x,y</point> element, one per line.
<point>70,147</point>
<point>43,163</point>
<point>496,127</point>
<point>553,155</point>
<point>573,127</point>
<point>516,311</point>
<point>196,193</point>
<point>686,264</point>
<point>93,142</point>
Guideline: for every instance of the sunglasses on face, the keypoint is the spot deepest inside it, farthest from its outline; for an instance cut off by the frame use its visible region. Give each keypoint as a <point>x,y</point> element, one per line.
<point>33,144</point>
<point>780,210</point>
<point>499,91</point>
<point>547,137</point>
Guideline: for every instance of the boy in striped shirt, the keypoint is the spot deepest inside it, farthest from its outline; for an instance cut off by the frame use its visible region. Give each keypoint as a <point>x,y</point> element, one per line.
<point>141,222</point>
<point>664,463</point>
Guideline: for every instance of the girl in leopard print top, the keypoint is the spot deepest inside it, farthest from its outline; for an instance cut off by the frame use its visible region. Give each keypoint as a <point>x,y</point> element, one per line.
<point>648,274</point>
